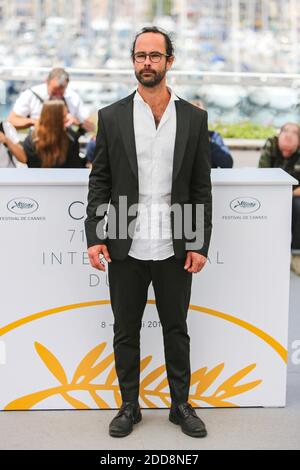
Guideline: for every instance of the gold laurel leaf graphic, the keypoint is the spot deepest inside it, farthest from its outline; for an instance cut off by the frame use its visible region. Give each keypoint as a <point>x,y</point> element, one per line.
<point>216,403</point>
<point>52,363</point>
<point>153,376</point>
<point>87,362</point>
<point>163,384</point>
<point>112,377</point>
<point>202,378</point>
<point>198,375</point>
<point>145,362</point>
<point>98,400</point>
<point>148,402</point>
<point>74,402</point>
<point>229,388</point>
<point>98,369</point>
<point>29,401</point>
<point>206,379</point>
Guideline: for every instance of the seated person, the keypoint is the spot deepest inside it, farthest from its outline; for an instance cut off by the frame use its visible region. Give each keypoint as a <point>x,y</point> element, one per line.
<point>90,149</point>
<point>28,107</point>
<point>220,153</point>
<point>283,151</point>
<point>50,144</point>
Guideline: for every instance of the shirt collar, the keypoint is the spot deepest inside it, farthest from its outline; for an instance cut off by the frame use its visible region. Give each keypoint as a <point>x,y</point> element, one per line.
<point>138,97</point>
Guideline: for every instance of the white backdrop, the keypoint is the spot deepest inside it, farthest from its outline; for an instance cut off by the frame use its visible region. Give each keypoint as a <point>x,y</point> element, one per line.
<point>56,323</point>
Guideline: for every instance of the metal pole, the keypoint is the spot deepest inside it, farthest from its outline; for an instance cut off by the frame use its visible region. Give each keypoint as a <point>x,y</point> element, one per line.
<point>235,29</point>
<point>265,15</point>
<point>294,34</point>
<point>111,18</point>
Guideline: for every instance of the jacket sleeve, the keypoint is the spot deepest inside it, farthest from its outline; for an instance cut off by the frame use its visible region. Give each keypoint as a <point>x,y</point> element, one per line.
<point>99,191</point>
<point>201,192</point>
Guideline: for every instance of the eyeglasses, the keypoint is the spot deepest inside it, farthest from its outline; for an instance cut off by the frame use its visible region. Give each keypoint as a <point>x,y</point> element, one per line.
<point>154,57</point>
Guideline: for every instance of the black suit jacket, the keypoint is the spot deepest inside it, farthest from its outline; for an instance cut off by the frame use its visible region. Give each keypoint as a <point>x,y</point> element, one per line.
<point>115,173</point>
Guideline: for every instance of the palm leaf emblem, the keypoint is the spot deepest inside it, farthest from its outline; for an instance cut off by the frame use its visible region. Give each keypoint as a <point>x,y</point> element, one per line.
<point>96,373</point>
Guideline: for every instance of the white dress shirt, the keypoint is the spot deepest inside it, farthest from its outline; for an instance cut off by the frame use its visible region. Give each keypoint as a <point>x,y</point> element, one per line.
<point>152,239</point>
<point>28,104</point>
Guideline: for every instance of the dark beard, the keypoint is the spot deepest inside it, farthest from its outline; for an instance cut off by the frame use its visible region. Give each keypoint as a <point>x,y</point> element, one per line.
<point>157,77</point>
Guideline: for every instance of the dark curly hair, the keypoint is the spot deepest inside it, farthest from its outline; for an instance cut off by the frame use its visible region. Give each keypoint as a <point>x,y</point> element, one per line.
<point>154,29</point>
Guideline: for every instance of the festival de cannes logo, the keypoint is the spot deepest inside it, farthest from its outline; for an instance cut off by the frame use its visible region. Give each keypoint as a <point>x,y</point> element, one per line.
<point>245,205</point>
<point>22,205</point>
<point>95,377</point>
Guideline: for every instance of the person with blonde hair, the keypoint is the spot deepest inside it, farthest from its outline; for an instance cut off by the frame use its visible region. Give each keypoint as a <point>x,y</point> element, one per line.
<point>50,144</point>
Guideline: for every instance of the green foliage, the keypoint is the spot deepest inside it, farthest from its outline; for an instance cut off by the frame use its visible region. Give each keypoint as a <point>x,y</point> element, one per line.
<point>244,130</point>
<point>161,7</point>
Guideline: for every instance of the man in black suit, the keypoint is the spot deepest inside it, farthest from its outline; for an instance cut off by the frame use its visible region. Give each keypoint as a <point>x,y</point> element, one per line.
<point>152,152</point>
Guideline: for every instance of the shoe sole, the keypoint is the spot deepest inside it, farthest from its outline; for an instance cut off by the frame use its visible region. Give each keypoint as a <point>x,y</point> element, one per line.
<point>175,421</point>
<point>117,434</point>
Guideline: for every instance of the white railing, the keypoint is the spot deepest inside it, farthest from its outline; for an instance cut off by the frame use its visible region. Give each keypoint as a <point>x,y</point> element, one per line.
<point>182,76</point>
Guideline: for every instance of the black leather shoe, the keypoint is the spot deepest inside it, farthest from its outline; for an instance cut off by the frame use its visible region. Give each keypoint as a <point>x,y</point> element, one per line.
<point>128,415</point>
<point>185,415</point>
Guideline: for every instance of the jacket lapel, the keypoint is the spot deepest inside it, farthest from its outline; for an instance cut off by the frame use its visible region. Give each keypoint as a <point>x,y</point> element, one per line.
<point>182,133</point>
<point>127,131</point>
<point>125,117</point>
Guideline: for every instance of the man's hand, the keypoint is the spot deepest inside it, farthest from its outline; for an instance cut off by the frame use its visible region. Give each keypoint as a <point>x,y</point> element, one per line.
<point>88,125</point>
<point>194,262</point>
<point>296,191</point>
<point>70,120</point>
<point>94,252</point>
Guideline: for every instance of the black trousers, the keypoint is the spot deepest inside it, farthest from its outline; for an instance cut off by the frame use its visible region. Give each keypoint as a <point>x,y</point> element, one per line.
<point>296,223</point>
<point>129,280</point>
